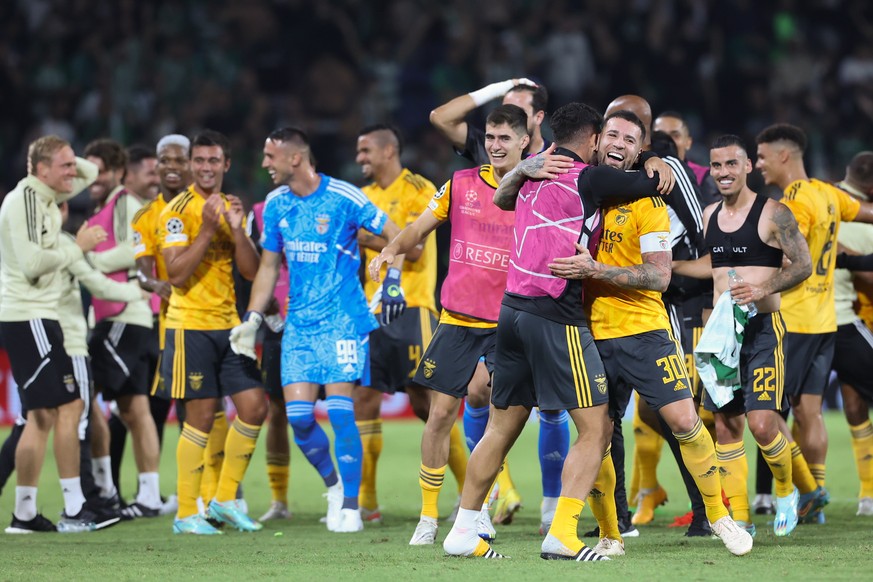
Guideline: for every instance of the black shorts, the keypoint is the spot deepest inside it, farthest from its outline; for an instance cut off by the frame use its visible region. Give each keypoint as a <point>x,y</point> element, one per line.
<point>808,358</point>
<point>543,363</point>
<point>200,364</point>
<point>396,349</point>
<point>40,366</point>
<point>853,353</point>
<point>451,358</point>
<point>121,358</point>
<point>271,364</point>
<point>689,342</point>
<point>762,368</point>
<point>652,363</point>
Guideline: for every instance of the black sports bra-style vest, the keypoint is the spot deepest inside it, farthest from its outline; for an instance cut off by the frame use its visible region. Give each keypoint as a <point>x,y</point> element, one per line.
<point>742,247</point>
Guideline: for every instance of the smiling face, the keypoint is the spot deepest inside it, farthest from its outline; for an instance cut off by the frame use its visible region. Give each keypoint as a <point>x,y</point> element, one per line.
<point>620,143</point>
<point>108,179</point>
<point>677,130</point>
<point>208,166</point>
<point>174,169</point>
<point>769,161</point>
<point>59,172</point>
<point>729,167</point>
<point>504,146</point>
<point>280,160</point>
<point>371,156</point>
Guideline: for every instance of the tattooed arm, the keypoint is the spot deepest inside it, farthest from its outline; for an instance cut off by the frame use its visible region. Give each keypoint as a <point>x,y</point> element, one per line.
<point>783,233</point>
<point>652,275</point>
<point>543,166</point>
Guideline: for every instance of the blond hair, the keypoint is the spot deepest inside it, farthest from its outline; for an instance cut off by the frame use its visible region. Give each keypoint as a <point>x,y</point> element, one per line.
<point>43,149</point>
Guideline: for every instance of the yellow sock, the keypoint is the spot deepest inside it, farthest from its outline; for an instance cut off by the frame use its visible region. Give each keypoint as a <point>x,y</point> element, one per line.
<point>431,481</point>
<point>634,489</point>
<point>278,472</point>
<point>602,499</point>
<point>213,457</point>
<point>371,442</point>
<point>565,525</point>
<point>698,454</point>
<point>189,467</point>
<point>818,473</point>
<point>647,446</point>
<point>778,457</point>
<point>800,472</point>
<point>504,478</point>
<point>241,441</point>
<point>457,456</point>
<point>734,471</point>
<point>862,446</point>
<point>708,419</point>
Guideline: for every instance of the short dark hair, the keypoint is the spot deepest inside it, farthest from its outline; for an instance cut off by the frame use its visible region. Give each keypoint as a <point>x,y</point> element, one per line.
<point>511,115</point>
<point>674,115</point>
<point>293,135</point>
<point>210,137</point>
<point>539,95</point>
<point>663,145</point>
<point>860,169</point>
<point>783,132</point>
<point>109,151</point>
<point>384,127</point>
<point>728,140</point>
<point>137,153</point>
<point>574,121</point>
<point>628,115</point>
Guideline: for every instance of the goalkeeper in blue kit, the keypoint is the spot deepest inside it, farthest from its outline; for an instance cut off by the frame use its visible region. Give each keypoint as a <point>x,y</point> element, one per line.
<point>314,219</point>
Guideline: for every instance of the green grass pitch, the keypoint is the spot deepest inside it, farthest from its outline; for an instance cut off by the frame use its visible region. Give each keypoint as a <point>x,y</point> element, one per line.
<point>841,549</point>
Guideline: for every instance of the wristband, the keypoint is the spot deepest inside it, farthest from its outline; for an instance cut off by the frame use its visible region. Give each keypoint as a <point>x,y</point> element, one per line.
<point>491,92</point>
<point>254,316</point>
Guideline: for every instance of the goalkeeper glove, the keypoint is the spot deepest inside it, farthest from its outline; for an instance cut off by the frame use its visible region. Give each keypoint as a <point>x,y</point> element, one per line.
<point>243,336</point>
<point>393,300</point>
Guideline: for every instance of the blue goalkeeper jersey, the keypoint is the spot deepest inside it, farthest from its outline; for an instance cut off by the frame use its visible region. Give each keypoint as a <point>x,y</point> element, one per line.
<point>319,236</point>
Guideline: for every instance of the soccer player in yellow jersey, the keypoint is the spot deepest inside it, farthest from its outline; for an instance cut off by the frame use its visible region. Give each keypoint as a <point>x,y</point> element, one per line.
<point>202,234</point>
<point>808,309</point>
<point>633,334</point>
<point>396,350</point>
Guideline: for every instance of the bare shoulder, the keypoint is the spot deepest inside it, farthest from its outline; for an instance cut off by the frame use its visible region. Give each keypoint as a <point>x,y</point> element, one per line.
<point>779,214</point>
<point>709,210</point>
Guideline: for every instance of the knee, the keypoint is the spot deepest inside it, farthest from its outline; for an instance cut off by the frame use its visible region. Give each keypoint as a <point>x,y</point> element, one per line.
<point>684,423</point>
<point>301,417</point>
<point>763,429</point>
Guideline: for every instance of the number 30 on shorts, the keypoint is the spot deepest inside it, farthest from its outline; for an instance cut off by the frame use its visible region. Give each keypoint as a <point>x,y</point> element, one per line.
<point>346,352</point>
<point>674,368</point>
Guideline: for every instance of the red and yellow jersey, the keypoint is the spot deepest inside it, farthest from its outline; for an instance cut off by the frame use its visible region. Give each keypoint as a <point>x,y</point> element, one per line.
<point>629,231</point>
<point>819,208</point>
<point>207,300</point>
<point>404,201</point>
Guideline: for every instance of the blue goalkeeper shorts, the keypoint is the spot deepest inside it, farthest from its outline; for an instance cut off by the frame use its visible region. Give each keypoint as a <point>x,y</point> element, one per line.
<point>324,353</point>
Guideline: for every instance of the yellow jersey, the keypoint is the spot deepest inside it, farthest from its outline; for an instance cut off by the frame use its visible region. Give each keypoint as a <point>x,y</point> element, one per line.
<point>819,208</point>
<point>207,301</point>
<point>145,244</point>
<point>629,230</point>
<point>440,205</point>
<point>404,201</point>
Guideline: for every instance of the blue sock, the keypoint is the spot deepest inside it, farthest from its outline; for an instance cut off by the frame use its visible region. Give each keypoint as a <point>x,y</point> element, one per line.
<point>349,453</point>
<point>311,439</point>
<point>553,447</point>
<point>475,420</point>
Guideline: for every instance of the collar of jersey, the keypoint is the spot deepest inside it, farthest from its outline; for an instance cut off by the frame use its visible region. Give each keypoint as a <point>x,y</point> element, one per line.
<point>486,172</point>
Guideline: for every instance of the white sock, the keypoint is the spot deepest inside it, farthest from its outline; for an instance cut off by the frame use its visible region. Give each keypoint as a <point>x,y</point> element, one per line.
<point>73,498</point>
<point>25,503</point>
<point>149,490</point>
<point>102,470</point>
<point>466,519</point>
<point>548,507</point>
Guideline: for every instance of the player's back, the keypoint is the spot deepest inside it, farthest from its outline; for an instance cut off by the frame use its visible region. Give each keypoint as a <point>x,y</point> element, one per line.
<point>819,208</point>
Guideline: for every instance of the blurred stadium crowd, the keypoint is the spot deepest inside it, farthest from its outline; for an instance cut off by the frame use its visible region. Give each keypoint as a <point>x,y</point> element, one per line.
<point>138,70</point>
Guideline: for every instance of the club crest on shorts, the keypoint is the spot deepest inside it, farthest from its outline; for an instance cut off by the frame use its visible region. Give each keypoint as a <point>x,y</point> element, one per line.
<point>69,383</point>
<point>195,380</point>
<point>600,380</point>
<point>429,368</point>
<point>322,223</point>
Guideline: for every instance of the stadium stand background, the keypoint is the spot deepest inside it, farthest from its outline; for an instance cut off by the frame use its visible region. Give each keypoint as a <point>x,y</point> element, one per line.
<point>138,70</point>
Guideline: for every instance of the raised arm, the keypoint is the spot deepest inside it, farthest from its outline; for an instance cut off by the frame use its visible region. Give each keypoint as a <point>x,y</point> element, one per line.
<point>182,260</point>
<point>86,173</point>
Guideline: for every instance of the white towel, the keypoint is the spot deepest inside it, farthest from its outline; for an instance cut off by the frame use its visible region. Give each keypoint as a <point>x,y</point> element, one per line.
<point>717,354</point>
